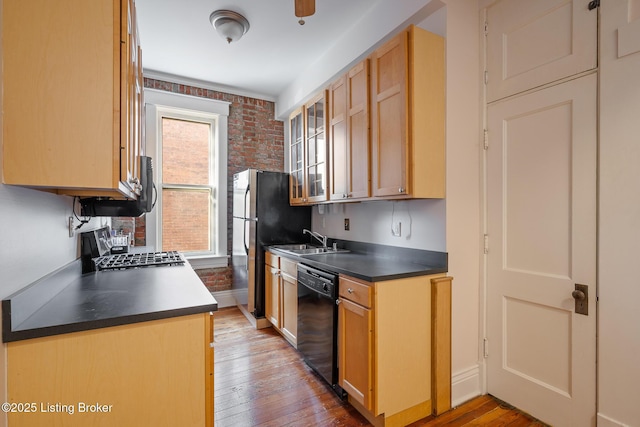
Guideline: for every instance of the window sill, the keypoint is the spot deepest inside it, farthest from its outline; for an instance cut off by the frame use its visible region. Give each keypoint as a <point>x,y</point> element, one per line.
<point>199,262</point>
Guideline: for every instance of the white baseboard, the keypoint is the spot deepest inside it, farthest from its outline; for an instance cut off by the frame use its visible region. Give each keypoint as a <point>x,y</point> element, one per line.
<point>465,385</point>
<point>225,298</point>
<point>604,421</point>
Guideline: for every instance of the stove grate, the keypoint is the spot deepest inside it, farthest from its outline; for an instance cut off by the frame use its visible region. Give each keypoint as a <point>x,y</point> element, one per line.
<point>145,259</point>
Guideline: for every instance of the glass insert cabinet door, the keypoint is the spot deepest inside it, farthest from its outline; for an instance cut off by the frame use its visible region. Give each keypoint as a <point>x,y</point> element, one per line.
<point>316,150</point>
<point>296,167</point>
<point>308,151</point>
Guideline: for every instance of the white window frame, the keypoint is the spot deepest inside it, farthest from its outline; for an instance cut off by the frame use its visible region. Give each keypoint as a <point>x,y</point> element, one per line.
<point>160,104</point>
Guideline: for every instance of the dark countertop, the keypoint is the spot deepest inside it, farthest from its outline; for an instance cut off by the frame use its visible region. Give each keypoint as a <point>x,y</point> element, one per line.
<point>374,263</point>
<point>67,301</point>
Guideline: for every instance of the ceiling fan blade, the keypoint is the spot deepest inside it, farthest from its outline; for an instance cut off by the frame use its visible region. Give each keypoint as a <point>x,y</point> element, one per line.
<point>305,7</point>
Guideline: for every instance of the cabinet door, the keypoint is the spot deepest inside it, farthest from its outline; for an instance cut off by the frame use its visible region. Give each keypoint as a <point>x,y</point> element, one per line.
<point>272,279</point>
<point>316,150</point>
<point>290,308</point>
<point>355,335</point>
<point>296,157</point>
<point>77,146</point>
<point>146,374</point>
<point>338,144</point>
<point>358,154</point>
<point>389,120</point>
<point>130,98</point>
<point>349,134</point>
<point>208,370</point>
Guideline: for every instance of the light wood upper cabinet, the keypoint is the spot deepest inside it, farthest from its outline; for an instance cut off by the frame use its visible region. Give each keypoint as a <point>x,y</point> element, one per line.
<point>296,157</point>
<point>132,105</point>
<point>72,97</point>
<point>407,116</point>
<point>308,152</point>
<point>338,146</point>
<point>349,134</point>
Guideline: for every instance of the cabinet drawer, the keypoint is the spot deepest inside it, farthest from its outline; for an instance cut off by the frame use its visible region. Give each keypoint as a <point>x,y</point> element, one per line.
<point>289,267</point>
<point>355,290</point>
<point>271,259</point>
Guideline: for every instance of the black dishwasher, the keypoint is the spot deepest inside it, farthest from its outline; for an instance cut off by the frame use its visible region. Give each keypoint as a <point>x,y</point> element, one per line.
<point>318,322</point>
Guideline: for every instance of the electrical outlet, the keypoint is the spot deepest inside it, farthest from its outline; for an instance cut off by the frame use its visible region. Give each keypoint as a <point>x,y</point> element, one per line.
<point>396,229</point>
<point>346,224</point>
<point>70,226</point>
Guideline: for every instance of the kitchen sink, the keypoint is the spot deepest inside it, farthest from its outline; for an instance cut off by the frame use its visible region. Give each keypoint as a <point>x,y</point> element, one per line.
<point>303,249</point>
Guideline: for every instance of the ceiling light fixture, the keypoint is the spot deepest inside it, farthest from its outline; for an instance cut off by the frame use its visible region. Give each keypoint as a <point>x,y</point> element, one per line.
<point>304,8</point>
<point>230,25</point>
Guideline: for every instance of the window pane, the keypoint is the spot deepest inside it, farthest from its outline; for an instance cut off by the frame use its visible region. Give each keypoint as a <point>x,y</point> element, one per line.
<point>185,152</point>
<point>311,154</point>
<point>320,148</point>
<point>299,182</point>
<point>311,122</point>
<point>319,116</point>
<point>185,220</point>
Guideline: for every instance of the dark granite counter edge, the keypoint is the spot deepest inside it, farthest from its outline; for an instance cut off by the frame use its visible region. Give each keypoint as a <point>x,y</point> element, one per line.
<point>422,271</point>
<point>9,335</point>
<point>426,262</point>
<point>20,305</point>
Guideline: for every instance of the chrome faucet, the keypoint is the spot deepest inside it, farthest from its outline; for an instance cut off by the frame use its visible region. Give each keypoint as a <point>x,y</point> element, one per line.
<point>319,237</point>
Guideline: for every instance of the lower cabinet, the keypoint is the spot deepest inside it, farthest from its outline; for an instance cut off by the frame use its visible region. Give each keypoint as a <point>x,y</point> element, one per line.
<point>150,373</point>
<point>281,292</point>
<point>356,351</point>
<point>272,278</point>
<point>289,312</point>
<point>388,347</point>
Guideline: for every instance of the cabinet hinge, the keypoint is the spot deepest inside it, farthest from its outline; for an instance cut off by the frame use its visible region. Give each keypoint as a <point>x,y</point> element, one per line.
<point>485,348</point>
<point>594,4</point>
<point>486,77</point>
<point>486,139</point>
<point>486,243</point>
<point>486,28</point>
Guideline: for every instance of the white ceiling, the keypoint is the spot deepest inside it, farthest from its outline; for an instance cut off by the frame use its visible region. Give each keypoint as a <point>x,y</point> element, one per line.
<point>178,40</point>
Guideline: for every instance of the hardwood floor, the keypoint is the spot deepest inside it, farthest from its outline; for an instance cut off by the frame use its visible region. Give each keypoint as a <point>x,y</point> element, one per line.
<point>260,380</point>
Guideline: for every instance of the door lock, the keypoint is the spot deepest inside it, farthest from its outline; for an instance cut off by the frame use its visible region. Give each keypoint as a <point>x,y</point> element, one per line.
<point>581,297</point>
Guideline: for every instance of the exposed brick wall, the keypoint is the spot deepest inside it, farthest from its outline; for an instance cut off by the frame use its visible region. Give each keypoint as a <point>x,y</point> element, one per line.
<point>256,140</point>
<point>216,279</point>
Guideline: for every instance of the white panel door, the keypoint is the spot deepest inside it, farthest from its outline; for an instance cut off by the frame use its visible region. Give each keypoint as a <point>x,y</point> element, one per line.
<point>531,43</point>
<point>541,194</point>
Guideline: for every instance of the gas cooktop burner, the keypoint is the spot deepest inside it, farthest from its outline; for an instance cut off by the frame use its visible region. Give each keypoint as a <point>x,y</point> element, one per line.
<point>131,260</point>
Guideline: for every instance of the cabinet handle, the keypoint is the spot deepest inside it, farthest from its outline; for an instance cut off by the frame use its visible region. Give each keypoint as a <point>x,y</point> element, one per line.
<point>350,290</point>
<point>344,196</point>
<point>401,190</point>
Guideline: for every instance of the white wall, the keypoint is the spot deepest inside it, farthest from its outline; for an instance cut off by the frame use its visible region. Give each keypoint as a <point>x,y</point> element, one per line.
<point>422,223</point>
<point>34,241</point>
<point>619,221</point>
<point>464,193</point>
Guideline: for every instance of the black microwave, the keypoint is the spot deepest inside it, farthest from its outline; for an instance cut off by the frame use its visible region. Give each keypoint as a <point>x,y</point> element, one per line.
<point>101,206</point>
